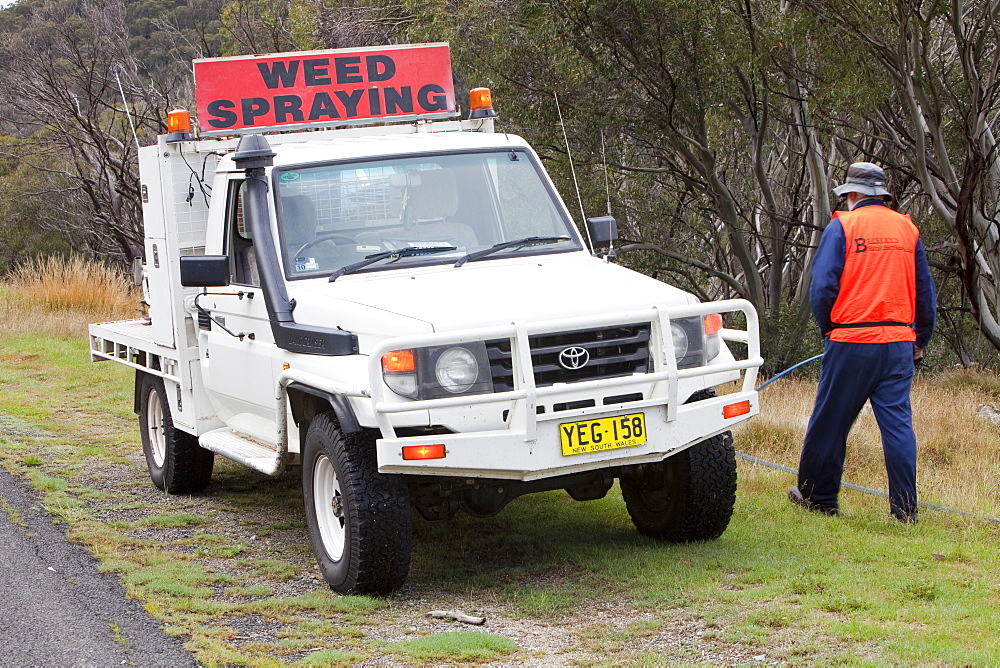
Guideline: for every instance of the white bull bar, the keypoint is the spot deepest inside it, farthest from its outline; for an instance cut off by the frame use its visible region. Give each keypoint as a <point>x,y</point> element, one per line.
<point>476,452</point>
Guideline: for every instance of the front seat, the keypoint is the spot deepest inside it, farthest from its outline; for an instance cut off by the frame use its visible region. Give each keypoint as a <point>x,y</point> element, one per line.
<point>432,205</point>
<point>298,218</point>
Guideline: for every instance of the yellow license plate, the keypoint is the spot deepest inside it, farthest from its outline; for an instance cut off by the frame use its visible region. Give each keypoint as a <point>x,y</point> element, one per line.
<point>623,431</point>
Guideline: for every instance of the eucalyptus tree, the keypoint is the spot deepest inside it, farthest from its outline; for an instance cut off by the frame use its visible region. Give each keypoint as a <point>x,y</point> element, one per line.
<point>268,26</point>
<point>68,64</point>
<point>20,235</point>
<point>939,62</point>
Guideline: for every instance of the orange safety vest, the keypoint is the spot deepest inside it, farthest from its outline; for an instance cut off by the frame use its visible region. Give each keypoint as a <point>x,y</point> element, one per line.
<point>878,293</point>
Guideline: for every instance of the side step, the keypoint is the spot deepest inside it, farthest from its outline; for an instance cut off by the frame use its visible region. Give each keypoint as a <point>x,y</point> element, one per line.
<point>239,448</point>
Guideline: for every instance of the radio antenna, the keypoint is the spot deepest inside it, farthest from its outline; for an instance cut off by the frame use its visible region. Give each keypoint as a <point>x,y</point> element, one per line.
<point>127,112</point>
<point>572,169</point>
<point>604,159</point>
<point>607,190</point>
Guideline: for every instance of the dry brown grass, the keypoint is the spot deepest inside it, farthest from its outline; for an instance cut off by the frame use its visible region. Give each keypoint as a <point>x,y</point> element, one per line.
<point>63,295</point>
<point>958,461</point>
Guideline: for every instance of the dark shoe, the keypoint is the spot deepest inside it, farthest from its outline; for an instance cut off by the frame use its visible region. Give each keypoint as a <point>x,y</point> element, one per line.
<point>795,496</point>
<point>905,518</point>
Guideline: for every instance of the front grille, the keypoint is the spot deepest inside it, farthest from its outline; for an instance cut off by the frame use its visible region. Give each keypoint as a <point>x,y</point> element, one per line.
<point>613,351</point>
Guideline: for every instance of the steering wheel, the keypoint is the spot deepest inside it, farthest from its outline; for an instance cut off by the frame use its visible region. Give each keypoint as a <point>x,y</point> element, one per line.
<point>335,239</point>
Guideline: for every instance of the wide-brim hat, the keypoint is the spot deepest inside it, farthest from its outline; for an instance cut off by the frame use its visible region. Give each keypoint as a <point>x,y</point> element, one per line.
<point>866,178</point>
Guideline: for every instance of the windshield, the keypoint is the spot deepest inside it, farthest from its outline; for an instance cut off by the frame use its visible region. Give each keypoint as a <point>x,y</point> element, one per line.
<point>334,216</point>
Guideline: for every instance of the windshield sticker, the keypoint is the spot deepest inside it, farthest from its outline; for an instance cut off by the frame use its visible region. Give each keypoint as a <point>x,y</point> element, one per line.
<point>289,176</point>
<point>306,264</point>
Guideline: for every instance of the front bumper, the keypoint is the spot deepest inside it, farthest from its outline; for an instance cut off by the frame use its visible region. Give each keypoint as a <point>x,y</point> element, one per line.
<point>529,447</point>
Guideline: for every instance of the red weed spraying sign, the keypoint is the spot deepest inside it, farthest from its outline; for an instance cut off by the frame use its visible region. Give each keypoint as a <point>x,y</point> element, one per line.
<point>342,86</point>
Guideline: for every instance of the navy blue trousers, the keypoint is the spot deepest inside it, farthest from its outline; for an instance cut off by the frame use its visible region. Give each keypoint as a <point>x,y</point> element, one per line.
<point>851,374</point>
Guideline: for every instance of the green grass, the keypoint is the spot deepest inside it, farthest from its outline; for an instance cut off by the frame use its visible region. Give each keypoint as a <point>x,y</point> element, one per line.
<point>330,657</point>
<point>270,568</point>
<point>15,517</point>
<point>542,601</point>
<point>220,552</point>
<point>174,521</point>
<point>47,483</point>
<point>455,646</point>
<point>166,574</point>
<point>320,602</point>
<point>783,583</point>
<point>251,591</point>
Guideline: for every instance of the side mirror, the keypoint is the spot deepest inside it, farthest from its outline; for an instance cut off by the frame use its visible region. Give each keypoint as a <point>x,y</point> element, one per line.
<point>204,271</point>
<point>603,231</point>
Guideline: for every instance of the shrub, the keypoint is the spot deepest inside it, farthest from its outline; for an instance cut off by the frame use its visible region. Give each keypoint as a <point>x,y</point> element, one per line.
<point>63,295</point>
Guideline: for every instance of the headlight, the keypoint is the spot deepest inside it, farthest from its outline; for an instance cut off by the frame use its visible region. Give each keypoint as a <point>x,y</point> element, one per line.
<point>438,371</point>
<point>696,340</point>
<point>456,370</point>
<point>688,335</point>
<point>680,338</point>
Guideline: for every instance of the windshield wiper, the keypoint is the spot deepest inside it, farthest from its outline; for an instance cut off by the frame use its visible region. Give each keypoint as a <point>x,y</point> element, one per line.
<point>393,254</point>
<point>526,241</point>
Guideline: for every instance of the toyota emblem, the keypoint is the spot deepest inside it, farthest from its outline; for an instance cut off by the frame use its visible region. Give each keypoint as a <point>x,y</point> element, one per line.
<point>574,358</point>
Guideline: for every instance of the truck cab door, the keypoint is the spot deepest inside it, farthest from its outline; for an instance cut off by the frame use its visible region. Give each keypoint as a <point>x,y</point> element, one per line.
<point>238,364</point>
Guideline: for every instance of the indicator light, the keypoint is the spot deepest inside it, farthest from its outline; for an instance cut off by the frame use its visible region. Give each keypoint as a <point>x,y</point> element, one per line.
<point>399,361</point>
<point>411,452</point>
<point>713,323</point>
<point>737,409</point>
<point>481,103</point>
<point>179,120</point>
<point>178,125</point>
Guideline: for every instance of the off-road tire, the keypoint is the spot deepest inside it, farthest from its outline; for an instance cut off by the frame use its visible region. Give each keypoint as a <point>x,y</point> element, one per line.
<point>362,535</point>
<point>176,463</point>
<point>690,496</point>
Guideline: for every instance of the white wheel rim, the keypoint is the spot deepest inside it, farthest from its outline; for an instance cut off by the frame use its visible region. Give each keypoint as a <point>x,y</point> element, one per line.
<point>329,505</point>
<point>154,428</point>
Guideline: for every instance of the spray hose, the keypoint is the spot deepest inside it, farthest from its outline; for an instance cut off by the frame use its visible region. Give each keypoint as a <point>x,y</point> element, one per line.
<point>787,371</point>
<point>857,488</point>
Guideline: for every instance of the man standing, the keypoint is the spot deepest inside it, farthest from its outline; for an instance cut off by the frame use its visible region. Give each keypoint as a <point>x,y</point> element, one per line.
<point>874,300</point>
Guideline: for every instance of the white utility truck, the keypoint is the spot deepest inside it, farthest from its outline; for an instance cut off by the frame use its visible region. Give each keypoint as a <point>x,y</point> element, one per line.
<point>343,275</point>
